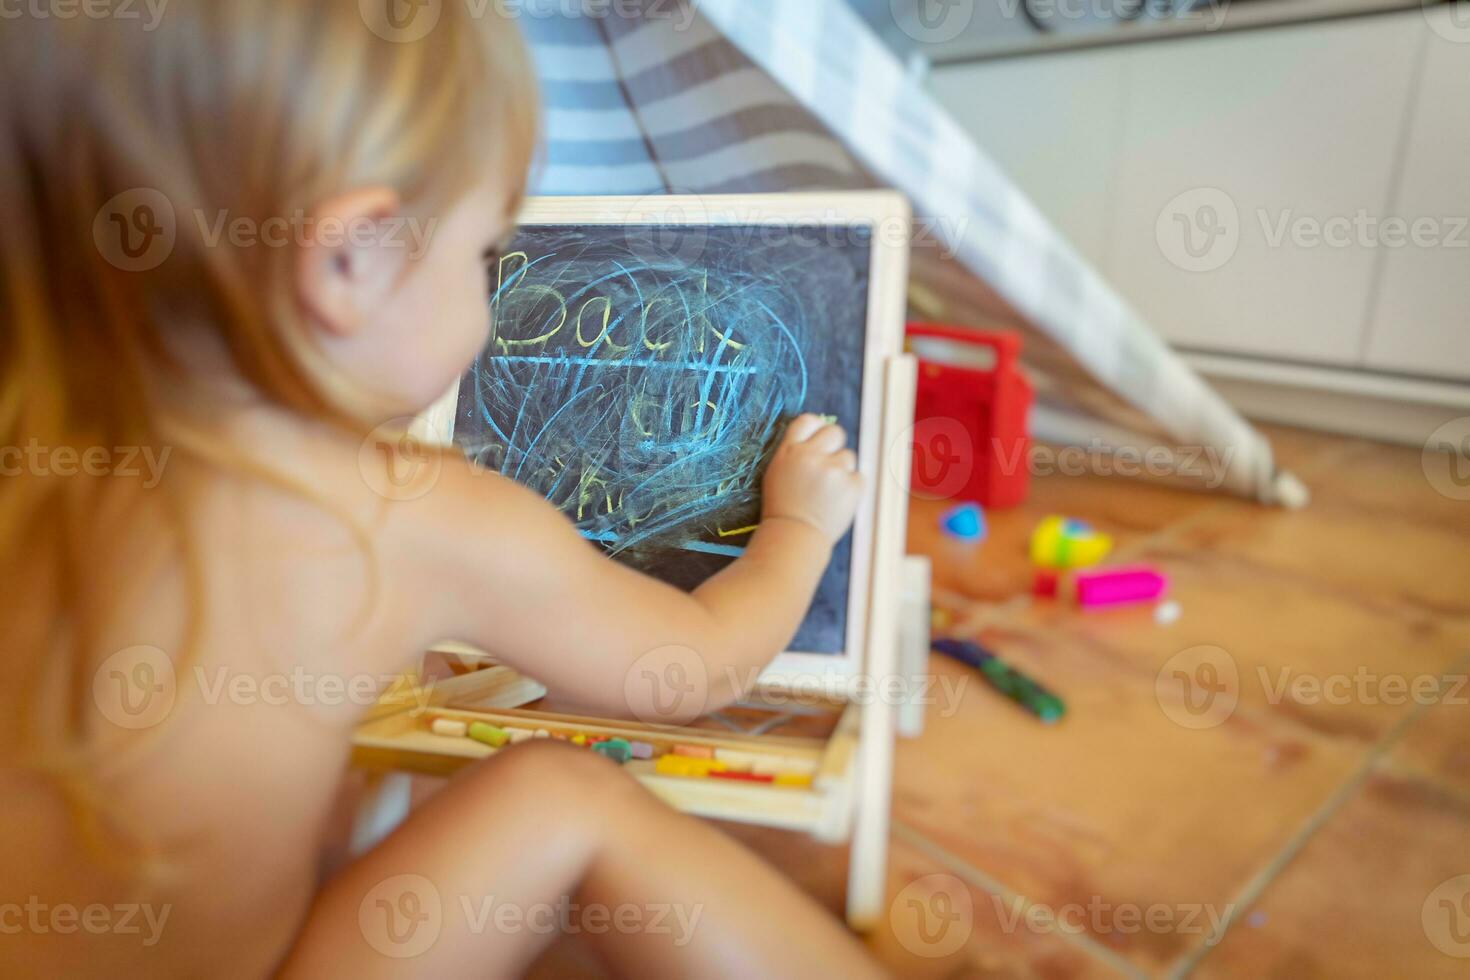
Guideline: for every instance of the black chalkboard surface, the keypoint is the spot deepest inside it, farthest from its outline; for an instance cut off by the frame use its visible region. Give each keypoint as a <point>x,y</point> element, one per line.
<point>639,376</point>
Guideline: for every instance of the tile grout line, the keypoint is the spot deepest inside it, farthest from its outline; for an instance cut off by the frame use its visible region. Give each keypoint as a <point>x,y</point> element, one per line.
<point>1254,888</point>
<point>1403,770</point>
<point>1001,612</point>
<point>974,876</point>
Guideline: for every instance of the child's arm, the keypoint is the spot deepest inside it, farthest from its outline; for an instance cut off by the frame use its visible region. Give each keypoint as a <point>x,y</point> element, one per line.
<point>526,586</point>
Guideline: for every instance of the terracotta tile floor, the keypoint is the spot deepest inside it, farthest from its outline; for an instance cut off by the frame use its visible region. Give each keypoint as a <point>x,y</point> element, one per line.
<point>1315,808</point>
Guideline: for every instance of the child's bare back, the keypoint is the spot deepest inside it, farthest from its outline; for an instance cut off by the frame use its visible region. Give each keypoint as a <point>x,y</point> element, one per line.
<point>191,656</point>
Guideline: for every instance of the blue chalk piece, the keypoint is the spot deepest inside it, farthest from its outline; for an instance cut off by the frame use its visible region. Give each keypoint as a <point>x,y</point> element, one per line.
<point>966,522</point>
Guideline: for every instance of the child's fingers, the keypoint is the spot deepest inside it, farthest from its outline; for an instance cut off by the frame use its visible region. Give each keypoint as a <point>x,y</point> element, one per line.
<point>829,439</point>
<point>847,459</point>
<point>802,428</point>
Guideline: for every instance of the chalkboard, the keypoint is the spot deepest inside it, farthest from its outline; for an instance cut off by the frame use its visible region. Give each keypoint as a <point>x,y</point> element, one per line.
<point>638,377</point>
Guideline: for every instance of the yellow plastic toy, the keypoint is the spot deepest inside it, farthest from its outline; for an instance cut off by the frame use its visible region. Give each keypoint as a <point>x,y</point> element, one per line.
<point>1062,542</point>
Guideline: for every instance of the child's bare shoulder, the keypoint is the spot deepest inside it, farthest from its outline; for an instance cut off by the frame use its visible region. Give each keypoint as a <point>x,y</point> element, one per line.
<point>474,528</point>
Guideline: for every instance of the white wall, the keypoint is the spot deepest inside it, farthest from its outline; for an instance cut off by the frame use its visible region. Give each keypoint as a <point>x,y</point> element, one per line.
<point>1331,127</point>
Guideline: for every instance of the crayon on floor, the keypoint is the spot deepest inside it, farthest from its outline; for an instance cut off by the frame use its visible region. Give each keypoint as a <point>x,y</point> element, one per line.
<point>1105,587</point>
<point>1007,680</point>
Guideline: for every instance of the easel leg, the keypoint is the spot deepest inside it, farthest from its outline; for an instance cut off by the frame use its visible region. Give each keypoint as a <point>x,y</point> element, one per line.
<point>867,874</point>
<point>882,722</point>
<point>891,607</point>
<point>913,646</point>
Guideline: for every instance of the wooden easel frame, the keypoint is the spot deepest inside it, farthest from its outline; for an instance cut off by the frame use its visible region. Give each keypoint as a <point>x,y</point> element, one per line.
<point>848,798</point>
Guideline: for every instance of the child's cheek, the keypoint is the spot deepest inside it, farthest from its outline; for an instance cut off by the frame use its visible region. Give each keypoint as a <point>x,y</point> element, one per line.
<point>477,327</point>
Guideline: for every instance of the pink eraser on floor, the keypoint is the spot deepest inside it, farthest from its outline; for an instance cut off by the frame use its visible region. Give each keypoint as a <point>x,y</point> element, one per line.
<point>1105,587</point>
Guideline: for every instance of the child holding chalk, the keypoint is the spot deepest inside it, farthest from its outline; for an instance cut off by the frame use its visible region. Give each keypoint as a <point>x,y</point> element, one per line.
<point>240,244</point>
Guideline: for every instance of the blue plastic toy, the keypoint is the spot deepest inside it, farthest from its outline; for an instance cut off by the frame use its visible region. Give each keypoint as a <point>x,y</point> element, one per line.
<point>966,522</point>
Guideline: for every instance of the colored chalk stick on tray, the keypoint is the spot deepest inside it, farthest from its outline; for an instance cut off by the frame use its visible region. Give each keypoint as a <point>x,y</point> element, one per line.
<point>683,761</point>
<point>449,728</point>
<point>616,749</point>
<point>491,735</point>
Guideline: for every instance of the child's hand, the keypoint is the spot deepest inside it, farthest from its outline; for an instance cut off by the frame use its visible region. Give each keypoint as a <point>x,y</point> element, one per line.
<point>813,478</point>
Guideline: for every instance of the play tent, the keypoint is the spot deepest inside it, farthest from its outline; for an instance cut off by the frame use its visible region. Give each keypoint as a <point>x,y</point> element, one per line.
<point>743,96</point>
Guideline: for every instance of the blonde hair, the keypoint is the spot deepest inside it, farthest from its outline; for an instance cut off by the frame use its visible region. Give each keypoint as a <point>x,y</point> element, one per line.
<point>249,108</point>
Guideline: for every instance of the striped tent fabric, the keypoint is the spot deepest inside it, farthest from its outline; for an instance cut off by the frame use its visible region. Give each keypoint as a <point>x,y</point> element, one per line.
<point>757,96</point>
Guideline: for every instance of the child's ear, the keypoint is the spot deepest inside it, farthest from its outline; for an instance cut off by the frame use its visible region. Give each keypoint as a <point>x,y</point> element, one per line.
<point>348,265</point>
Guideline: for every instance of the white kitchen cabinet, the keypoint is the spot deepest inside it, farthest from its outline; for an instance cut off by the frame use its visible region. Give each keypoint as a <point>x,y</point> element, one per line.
<point>1421,321</point>
<point>1314,148</point>
<point>1054,124</point>
<point>1247,143</point>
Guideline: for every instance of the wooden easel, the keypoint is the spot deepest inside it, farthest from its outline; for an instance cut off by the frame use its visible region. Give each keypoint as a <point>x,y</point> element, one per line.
<point>851,761</point>
<point>848,800</point>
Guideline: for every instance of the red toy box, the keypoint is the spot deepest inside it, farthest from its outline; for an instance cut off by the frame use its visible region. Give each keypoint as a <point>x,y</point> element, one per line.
<point>970,436</point>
